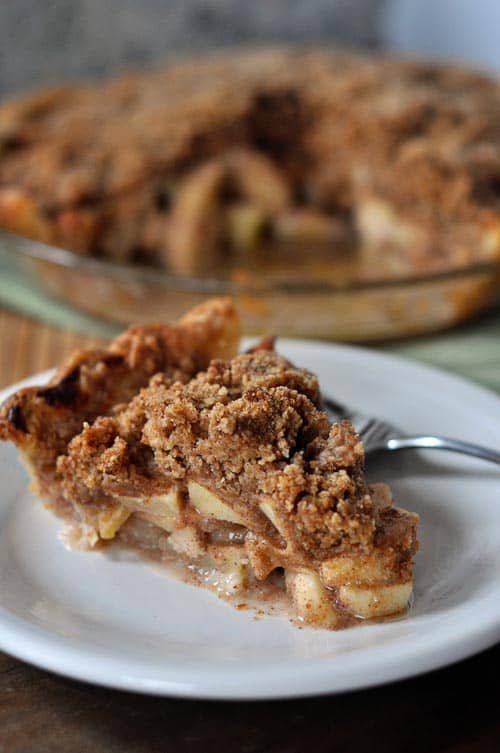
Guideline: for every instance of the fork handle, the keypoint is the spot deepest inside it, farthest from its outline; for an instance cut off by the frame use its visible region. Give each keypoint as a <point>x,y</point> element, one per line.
<point>442,443</point>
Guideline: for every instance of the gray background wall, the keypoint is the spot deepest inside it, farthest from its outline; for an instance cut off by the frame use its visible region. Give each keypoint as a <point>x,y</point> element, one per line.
<point>48,40</point>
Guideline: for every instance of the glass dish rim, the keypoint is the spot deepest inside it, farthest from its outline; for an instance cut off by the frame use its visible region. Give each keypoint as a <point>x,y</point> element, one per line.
<point>127,273</point>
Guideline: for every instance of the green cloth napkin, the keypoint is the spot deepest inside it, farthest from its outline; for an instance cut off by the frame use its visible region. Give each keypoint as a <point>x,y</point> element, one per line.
<point>19,295</point>
<point>472,350</point>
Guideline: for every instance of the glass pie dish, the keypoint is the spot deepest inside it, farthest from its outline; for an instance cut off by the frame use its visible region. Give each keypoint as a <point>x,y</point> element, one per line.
<point>321,298</point>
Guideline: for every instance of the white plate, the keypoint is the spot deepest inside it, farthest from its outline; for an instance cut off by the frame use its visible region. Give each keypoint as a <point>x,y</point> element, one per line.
<point>124,624</point>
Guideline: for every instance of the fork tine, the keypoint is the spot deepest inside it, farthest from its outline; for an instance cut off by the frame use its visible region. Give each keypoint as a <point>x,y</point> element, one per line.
<point>373,431</point>
<point>375,434</point>
<point>337,408</point>
<point>339,412</point>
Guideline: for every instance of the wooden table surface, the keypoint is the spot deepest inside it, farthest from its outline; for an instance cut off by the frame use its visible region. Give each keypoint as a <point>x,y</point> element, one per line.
<point>455,710</point>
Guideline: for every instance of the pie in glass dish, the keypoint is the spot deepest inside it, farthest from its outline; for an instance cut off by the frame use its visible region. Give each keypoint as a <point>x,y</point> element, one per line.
<point>196,166</point>
<point>171,443</point>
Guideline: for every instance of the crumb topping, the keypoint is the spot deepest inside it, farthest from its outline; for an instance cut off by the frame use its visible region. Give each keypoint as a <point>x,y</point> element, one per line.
<point>251,430</point>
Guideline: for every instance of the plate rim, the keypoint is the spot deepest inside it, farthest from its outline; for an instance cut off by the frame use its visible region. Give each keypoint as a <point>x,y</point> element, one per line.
<point>19,638</point>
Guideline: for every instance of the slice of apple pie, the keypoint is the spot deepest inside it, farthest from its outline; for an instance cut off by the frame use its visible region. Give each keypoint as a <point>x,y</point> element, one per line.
<point>236,472</point>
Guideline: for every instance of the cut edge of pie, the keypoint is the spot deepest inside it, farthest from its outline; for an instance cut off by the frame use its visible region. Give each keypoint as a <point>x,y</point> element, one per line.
<point>230,467</point>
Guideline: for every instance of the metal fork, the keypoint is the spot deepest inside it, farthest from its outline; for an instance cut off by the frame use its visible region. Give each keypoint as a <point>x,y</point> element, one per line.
<point>380,436</point>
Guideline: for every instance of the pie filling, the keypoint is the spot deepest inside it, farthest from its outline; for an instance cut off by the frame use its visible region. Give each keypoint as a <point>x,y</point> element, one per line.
<point>218,551</point>
<point>235,472</point>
